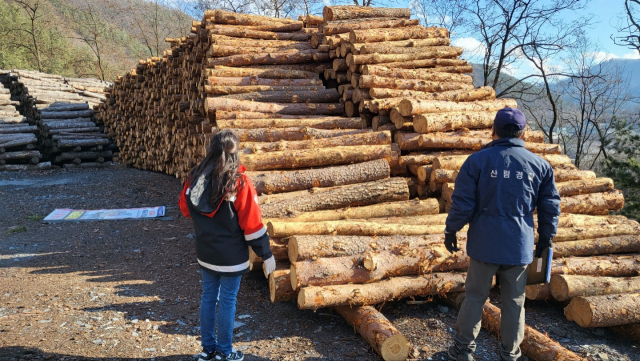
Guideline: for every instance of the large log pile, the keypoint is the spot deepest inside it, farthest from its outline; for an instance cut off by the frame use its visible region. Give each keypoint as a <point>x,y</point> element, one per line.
<point>353,129</point>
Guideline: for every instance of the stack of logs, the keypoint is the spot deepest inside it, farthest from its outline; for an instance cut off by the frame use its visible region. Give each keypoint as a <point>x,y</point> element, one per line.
<point>62,110</point>
<point>17,138</point>
<point>344,232</point>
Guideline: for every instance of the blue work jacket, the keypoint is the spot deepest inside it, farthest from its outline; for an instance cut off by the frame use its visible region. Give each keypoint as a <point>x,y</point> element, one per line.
<point>496,192</point>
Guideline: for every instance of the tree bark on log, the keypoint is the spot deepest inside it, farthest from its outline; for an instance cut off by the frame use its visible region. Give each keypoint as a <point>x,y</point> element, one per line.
<point>394,34</point>
<point>594,203</point>
<point>377,330</point>
<point>214,104</point>
<point>343,27</point>
<point>394,288</point>
<point>370,138</point>
<point>421,74</point>
<point>566,287</point>
<point>374,81</point>
<point>437,65</point>
<point>604,230</point>
<point>335,13</point>
<point>233,18</point>
<point>442,122</point>
<point>350,228</point>
<point>425,159</point>
<point>581,220</point>
<point>572,188</point>
<point>410,107</point>
<point>21,129</point>
<point>18,167</point>
<point>607,245</point>
<point>608,266</point>
<point>474,140</point>
<point>216,51</point>
<point>452,162</point>
<point>361,194</point>
<point>538,292</point>
<point>603,311</point>
<point>436,53</point>
<point>535,345</point>
<point>305,56</point>
<point>270,73</point>
<point>280,286</point>
<point>72,143</point>
<point>252,80</point>
<point>286,134</point>
<point>317,123</point>
<point>565,175</point>
<point>292,159</point>
<point>397,47</point>
<point>47,114</point>
<point>243,32</point>
<point>279,182</point>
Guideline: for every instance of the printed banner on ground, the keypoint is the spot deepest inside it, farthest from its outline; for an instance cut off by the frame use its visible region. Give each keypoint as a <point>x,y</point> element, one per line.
<point>63,215</point>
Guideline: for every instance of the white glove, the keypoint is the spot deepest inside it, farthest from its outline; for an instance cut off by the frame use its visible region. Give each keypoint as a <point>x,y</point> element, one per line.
<point>269,266</point>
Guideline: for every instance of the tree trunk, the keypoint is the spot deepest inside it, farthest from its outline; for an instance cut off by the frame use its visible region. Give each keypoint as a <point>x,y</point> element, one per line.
<point>16,140</point>
<point>424,159</point>
<point>252,80</point>
<point>565,175</point>
<point>538,292</point>
<point>436,53</point>
<point>21,129</point>
<point>214,104</point>
<point>442,122</point>
<point>318,123</point>
<point>279,182</point>
<point>374,81</point>
<point>376,329</point>
<point>594,203</point>
<point>414,107</point>
<point>415,74</point>
<point>285,134</point>
<point>280,286</point>
<point>84,155</point>
<point>588,247</point>
<point>350,228</point>
<point>566,287</point>
<point>386,99</point>
<point>371,267</point>
<point>303,56</point>
<point>535,345</point>
<point>292,159</point>
<point>394,34</point>
<point>452,162</point>
<point>608,266</point>
<point>572,188</point>
<point>342,27</point>
<point>335,13</point>
<point>580,220</point>
<point>603,311</point>
<point>270,73</point>
<point>371,138</point>
<point>394,288</point>
<point>361,194</point>
<point>17,167</point>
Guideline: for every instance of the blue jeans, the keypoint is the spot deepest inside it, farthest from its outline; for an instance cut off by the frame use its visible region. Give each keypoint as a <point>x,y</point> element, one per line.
<point>220,291</point>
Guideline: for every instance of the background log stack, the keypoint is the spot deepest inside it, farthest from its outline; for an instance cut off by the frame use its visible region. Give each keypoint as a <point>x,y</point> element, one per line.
<point>345,232</point>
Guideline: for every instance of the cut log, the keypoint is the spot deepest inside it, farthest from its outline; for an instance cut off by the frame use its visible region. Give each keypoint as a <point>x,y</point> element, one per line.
<point>442,122</point>
<point>252,80</point>
<point>398,47</point>
<point>556,160</point>
<point>438,65</point>
<point>580,220</point>
<point>421,74</point>
<point>395,288</point>
<point>272,73</point>
<point>318,123</point>
<point>394,34</point>
<point>64,124</point>
<point>424,159</point>
<point>371,138</point>
<point>389,98</point>
<point>214,104</point>
<point>254,89</point>
<point>334,13</point>
<point>374,81</point>
<point>311,247</point>
<point>607,245</point>
<point>608,266</point>
<point>232,18</point>
<point>372,267</point>
<point>566,287</point>
<point>452,162</point>
<point>538,292</point>
<point>350,228</point>
<point>436,53</point>
<point>242,32</point>
<point>278,182</point>
<point>361,194</point>
<point>594,203</point>
<point>342,27</point>
<point>376,329</point>
<point>572,188</point>
<point>565,175</point>
<point>20,155</point>
<point>466,140</point>
<point>414,107</point>
<point>439,177</point>
<point>18,167</point>
<point>280,286</point>
<point>17,140</point>
<point>314,157</point>
<point>604,230</point>
<point>223,50</point>
<point>303,56</point>
<point>47,114</point>
<point>72,143</point>
<point>603,311</point>
<point>301,133</point>
<point>535,345</point>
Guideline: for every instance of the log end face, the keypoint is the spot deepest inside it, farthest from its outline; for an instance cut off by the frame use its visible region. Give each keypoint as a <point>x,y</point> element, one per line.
<point>395,348</point>
<point>272,288</point>
<point>292,249</point>
<point>294,277</point>
<point>559,288</point>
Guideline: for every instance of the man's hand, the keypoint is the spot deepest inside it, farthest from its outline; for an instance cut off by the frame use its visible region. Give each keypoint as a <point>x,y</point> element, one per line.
<point>541,245</point>
<point>451,241</point>
<point>269,266</point>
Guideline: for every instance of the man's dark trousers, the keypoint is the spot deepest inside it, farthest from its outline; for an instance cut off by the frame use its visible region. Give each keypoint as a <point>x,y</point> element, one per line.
<point>513,281</point>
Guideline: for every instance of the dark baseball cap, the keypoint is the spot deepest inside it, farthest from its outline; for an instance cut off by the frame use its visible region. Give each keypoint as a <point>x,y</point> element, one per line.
<point>509,116</point>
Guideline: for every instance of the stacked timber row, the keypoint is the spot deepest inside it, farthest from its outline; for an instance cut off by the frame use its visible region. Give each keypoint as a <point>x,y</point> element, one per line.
<point>17,138</point>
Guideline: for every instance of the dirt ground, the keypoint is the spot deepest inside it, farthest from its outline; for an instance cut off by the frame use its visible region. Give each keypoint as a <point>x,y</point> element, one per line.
<point>129,290</point>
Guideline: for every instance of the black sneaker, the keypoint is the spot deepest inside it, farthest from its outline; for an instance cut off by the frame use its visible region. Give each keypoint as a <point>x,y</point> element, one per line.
<point>233,356</point>
<point>459,354</point>
<point>206,355</point>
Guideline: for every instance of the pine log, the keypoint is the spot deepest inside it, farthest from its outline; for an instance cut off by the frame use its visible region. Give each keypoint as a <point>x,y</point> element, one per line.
<point>441,122</point>
<point>474,140</point>
<point>232,18</point>
<point>394,34</point>
<point>323,246</point>
<point>18,167</point>
<point>437,65</point>
<point>214,104</point>
<point>605,310</point>
<point>21,129</point>
<point>572,188</point>
<point>303,56</point>
<point>342,27</point>
<point>301,133</point>
<point>370,138</point>
<point>581,220</point>
<point>278,182</point>
<point>47,114</point>
<point>608,266</point>
<point>424,173</point>
<point>535,345</point>
<point>565,175</point>
<point>61,124</point>
<point>334,13</point>
<point>361,194</point>
<point>28,154</point>
<point>413,107</point>
<point>372,267</point>
<point>374,81</point>
<point>421,74</point>
<point>556,160</point>
<point>340,65</point>
<point>90,165</point>
<point>594,246</point>
<point>243,32</point>
<point>593,203</point>
<point>452,162</point>
<point>376,329</point>
<point>350,228</point>
<point>424,159</point>
<point>318,123</point>
<point>272,73</point>
<point>394,288</point>
<point>71,143</point>
<point>314,157</point>
<point>441,176</point>
<point>385,99</point>
<point>436,53</point>
<point>387,47</point>
<point>17,140</point>
<point>223,50</point>
<point>280,286</point>
<point>252,80</point>
<point>566,287</point>
<point>538,292</point>
<point>313,20</point>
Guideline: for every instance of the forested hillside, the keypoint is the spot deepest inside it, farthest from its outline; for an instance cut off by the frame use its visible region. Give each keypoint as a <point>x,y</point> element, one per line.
<point>85,38</point>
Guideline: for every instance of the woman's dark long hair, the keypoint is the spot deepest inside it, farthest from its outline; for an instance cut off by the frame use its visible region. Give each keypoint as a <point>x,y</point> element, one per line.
<point>220,165</point>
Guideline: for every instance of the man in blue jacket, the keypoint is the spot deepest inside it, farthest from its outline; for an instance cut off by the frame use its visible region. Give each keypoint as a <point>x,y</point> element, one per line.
<point>496,192</point>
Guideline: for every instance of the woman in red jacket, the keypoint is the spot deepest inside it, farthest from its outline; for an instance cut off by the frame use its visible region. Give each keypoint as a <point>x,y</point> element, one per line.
<point>223,204</point>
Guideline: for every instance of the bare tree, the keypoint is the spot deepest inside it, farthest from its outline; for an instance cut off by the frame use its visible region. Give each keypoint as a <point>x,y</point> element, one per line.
<point>630,26</point>
<point>157,20</point>
<point>34,29</point>
<point>448,14</point>
<point>90,29</point>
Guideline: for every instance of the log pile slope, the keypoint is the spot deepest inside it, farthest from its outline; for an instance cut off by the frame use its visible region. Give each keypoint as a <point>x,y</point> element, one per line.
<point>353,129</point>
